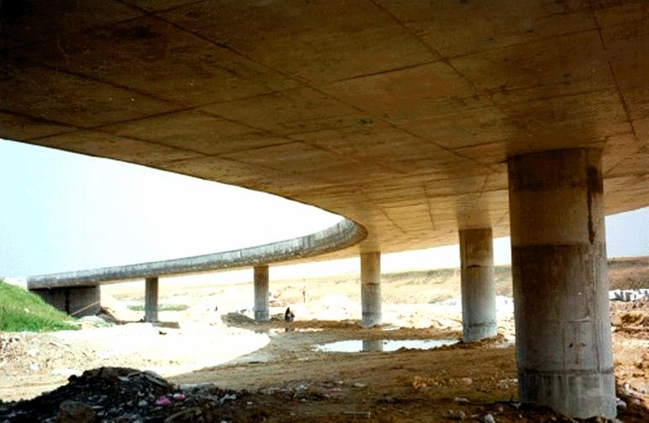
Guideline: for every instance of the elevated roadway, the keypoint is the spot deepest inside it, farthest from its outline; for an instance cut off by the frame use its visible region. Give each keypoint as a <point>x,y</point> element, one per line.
<point>424,122</point>
<point>397,115</point>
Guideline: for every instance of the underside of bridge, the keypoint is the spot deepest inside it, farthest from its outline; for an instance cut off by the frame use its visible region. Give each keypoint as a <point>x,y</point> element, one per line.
<point>420,121</point>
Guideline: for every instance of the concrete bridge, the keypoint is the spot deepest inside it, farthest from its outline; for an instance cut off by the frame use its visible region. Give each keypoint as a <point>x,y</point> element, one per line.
<point>423,122</point>
<point>78,292</point>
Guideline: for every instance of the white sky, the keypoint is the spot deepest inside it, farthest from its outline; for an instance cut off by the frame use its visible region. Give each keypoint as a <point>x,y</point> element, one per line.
<point>62,211</point>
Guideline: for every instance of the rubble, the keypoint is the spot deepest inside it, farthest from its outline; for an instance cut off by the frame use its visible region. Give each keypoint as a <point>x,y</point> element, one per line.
<point>121,394</point>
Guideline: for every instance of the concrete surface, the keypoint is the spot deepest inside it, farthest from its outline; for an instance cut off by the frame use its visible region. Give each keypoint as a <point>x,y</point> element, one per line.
<point>563,325</point>
<point>77,301</point>
<point>371,302</point>
<point>261,292</point>
<point>397,115</point>
<point>478,285</point>
<point>151,286</point>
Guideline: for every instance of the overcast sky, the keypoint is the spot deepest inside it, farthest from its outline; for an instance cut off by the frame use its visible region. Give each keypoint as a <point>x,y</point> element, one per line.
<point>63,211</point>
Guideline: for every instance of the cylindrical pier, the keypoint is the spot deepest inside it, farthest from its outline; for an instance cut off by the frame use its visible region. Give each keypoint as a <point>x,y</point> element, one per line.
<point>261,287</point>
<point>151,300</point>
<point>478,286</point>
<point>563,331</point>
<point>371,289</point>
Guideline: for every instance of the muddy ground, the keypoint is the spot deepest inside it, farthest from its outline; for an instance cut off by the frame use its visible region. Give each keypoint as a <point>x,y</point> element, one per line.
<point>216,364</point>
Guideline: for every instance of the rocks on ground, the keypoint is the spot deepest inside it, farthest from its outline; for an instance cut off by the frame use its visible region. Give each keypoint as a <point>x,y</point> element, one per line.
<point>120,394</point>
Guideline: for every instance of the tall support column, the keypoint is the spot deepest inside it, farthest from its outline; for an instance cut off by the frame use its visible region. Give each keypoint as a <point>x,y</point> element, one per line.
<point>563,331</point>
<point>151,300</point>
<point>261,293</point>
<point>371,289</point>
<point>478,287</point>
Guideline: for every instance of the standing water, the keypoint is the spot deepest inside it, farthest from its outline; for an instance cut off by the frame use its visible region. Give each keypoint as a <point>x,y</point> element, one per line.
<point>359,345</point>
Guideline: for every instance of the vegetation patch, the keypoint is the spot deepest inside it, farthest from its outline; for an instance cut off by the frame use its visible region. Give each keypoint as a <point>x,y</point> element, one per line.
<point>21,311</point>
<point>161,307</point>
<point>427,274</point>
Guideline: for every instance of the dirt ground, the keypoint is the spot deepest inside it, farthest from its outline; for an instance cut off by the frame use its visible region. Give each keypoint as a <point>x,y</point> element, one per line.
<point>275,372</point>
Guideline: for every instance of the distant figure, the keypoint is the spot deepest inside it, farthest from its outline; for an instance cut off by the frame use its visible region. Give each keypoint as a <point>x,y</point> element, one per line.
<point>289,316</point>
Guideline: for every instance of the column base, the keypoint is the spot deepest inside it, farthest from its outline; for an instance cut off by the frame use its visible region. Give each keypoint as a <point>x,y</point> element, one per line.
<point>478,332</point>
<point>573,394</point>
<point>262,316</point>
<point>370,320</point>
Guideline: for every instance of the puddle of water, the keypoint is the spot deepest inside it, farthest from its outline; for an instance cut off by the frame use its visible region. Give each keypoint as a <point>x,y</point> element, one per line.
<point>281,331</point>
<point>358,345</point>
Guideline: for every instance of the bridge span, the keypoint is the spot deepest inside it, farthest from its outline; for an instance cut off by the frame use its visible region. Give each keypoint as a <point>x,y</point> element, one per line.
<point>78,292</point>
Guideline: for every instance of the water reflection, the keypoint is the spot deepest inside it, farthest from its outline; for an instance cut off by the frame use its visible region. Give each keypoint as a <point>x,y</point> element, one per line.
<point>383,345</point>
<point>375,345</point>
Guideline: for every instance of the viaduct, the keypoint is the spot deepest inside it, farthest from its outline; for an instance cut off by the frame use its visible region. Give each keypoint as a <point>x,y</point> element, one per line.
<point>421,122</point>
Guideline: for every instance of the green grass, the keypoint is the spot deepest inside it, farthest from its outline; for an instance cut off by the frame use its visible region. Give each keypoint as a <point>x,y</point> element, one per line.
<point>420,276</point>
<point>21,310</point>
<point>161,307</point>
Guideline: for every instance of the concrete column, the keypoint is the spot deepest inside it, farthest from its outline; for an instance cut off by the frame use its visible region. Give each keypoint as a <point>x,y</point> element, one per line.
<point>371,289</point>
<point>261,293</point>
<point>563,330</point>
<point>151,300</point>
<point>478,286</point>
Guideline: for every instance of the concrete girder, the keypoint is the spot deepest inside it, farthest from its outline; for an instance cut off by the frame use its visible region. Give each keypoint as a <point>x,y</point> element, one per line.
<point>341,235</point>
